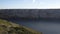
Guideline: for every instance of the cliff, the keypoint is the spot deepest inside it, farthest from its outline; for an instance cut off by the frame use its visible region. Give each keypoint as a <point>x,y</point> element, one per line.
<point>7,27</point>
<point>30,13</point>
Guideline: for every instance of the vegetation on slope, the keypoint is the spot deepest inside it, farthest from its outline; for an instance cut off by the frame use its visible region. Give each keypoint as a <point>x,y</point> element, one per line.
<point>7,27</point>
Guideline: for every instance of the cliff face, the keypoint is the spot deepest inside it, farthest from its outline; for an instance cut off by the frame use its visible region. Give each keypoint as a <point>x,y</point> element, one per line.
<point>30,13</point>
<point>7,27</point>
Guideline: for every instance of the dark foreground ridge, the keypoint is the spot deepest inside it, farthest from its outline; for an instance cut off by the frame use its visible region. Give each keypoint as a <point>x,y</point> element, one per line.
<point>30,13</point>
<point>7,27</point>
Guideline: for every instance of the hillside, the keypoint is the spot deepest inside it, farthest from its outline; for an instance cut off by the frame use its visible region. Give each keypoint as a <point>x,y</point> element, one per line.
<point>7,27</point>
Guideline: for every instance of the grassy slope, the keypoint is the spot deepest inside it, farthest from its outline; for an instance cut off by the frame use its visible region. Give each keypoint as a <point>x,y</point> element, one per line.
<point>7,27</point>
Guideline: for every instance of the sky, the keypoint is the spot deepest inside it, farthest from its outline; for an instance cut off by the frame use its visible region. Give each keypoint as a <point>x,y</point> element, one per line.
<point>29,4</point>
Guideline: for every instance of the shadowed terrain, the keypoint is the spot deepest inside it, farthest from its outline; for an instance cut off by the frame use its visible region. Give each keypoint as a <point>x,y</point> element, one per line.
<point>30,13</point>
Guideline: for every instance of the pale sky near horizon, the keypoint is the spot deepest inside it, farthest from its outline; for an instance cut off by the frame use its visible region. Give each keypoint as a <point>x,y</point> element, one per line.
<point>39,4</point>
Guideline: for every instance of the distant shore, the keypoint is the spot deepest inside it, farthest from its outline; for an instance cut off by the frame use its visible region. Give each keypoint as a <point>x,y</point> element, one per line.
<point>30,13</point>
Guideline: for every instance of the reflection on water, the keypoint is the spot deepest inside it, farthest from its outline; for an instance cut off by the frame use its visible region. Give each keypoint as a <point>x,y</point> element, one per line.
<point>47,27</point>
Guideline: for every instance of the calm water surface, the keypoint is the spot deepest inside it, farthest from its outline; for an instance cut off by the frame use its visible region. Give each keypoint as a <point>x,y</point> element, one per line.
<point>47,27</point>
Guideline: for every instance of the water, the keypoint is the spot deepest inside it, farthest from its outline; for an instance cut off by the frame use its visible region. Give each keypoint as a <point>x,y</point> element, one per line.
<point>47,27</point>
